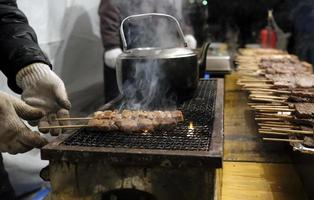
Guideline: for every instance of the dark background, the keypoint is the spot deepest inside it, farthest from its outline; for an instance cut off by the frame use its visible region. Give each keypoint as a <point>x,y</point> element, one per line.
<point>238,22</point>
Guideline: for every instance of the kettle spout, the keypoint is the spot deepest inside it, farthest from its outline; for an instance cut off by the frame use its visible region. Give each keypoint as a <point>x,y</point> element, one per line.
<point>202,58</point>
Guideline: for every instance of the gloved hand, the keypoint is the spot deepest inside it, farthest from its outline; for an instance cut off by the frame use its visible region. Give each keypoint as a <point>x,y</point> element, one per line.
<point>191,41</point>
<point>111,57</point>
<point>15,136</point>
<point>43,89</point>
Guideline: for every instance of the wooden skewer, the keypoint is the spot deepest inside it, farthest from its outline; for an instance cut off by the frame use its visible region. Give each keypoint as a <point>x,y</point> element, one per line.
<point>254,81</point>
<point>248,62</point>
<point>267,97</point>
<point>277,125</point>
<point>280,113</point>
<point>279,109</point>
<point>281,140</point>
<point>273,111</point>
<point>267,100</point>
<point>246,84</point>
<point>247,65</point>
<point>261,93</point>
<point>245,71</point>
<point>255,94</point>
<point>258,86</point>
<point>264,104</point>
<point>273,90</point>
<point>264,127</point>
<point>272,132</point>
<point>274,115</point>
<point>249,78</point>
<point>74,118</point>
<point>293,131</point>
<point>267,119</point>
<point>249,73</point>
<point>275,107</point>
<point>255,88</point>
<point>64,126</point>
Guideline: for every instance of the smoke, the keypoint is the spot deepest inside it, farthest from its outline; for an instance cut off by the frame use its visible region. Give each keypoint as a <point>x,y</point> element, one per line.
<point>132,7</point>
<point>148,88</point>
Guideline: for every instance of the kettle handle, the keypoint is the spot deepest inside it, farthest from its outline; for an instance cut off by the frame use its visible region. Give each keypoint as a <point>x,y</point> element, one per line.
<point>124,43</point>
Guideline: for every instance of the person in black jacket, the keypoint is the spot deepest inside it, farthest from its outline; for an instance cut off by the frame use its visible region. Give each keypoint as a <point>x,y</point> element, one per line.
<point>29,73</point>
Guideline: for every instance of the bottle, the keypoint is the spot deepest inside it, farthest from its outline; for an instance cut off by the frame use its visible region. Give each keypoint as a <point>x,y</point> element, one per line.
<point>268,34</point>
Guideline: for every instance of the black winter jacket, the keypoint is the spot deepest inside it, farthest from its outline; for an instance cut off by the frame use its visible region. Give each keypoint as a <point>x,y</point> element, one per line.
<point>18,43</point>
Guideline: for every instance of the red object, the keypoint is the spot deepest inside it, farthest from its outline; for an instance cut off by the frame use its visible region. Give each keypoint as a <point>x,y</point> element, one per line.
<point>268,38</point>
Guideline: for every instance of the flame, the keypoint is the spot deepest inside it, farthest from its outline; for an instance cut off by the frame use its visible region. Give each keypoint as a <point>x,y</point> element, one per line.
<point>190,132</point>
<point>145,131</point>
<point>191,125</point>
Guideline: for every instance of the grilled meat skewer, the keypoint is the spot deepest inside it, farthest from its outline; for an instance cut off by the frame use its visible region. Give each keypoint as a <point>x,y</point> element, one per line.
<point>134,121</point>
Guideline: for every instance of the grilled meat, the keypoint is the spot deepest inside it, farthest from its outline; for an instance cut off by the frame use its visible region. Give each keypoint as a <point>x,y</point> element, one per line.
<point>134,121</point>
<point>306,94</point>
<point>304,110</point>
<point>303,122</point>
<point>298,99</point>
<point>295,81</point>
<point>308,141</point>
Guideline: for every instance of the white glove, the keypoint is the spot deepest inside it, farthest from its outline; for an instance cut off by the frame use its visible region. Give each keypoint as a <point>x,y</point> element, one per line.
<point>191,41</point>
<point>15,136</point>
<point>43,89</point>
<point>111,57</point>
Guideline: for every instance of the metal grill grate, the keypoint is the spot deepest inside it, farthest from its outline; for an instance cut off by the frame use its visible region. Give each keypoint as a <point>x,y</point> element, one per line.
<point>199,111</point>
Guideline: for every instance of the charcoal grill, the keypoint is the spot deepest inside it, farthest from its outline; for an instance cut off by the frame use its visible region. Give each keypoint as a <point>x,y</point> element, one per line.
<point>194,144</point>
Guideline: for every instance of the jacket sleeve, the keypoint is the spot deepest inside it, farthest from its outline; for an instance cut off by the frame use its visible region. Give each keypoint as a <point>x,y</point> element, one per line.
<point>18,42</point>
<point>110,20</point>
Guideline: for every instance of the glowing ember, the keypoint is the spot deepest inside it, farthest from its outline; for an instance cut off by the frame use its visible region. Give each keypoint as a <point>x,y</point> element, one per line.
<point>191,125</point>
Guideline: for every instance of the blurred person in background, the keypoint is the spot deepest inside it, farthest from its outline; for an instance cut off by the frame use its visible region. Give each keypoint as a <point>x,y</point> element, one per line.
<point>111,13</point>
<point>29,73</point>
<point>297,17</point>
<point>302,29</point>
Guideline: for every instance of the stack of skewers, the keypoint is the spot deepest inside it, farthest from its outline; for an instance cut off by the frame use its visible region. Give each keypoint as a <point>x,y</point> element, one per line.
<point>281,93</point>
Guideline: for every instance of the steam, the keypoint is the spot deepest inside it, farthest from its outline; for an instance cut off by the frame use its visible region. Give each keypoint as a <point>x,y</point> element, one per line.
<point>159,32</point>
<point>148,89</point>
<point>153,31</point>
